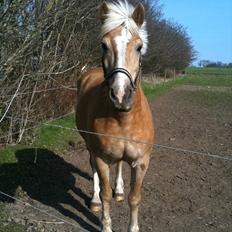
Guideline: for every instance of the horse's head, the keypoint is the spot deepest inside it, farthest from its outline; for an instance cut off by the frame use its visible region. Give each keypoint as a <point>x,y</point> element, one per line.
<point>124,40</point>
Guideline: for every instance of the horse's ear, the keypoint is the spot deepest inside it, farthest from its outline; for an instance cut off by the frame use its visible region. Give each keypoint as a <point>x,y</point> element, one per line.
<point>103,11</point>
<point>139,14</point>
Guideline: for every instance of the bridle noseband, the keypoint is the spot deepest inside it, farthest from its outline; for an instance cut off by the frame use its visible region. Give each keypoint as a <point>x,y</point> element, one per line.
<point>124,71</point>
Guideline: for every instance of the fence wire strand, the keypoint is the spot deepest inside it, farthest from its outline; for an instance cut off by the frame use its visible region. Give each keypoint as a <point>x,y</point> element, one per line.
<point>223,157</point>
<point>37,125</point>
<point>182,150</point>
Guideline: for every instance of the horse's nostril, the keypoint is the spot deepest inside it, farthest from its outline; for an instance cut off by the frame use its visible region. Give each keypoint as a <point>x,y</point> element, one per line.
<point>129,93</point>
<point>112,95</point>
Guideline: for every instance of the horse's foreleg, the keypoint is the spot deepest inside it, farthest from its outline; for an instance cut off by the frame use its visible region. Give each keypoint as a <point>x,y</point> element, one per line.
<point>106,193</point>
<point>119,185</point>
<point>138,172</point>
<point>95,204</point>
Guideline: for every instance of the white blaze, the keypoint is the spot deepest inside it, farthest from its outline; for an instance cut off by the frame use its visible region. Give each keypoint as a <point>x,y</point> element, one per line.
<point>121,42</point>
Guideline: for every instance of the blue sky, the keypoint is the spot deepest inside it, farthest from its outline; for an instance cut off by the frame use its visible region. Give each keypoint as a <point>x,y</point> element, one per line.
<point>208,23</point>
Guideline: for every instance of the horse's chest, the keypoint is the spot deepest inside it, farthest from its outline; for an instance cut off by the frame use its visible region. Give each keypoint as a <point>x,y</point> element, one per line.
<point>118,141</point>
<point>116,148</point>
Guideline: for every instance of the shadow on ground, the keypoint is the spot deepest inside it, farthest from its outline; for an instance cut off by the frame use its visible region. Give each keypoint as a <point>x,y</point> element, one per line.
<point>48,178</point>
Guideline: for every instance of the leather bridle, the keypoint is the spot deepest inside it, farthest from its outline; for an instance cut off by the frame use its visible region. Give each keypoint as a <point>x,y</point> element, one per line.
<point>124,71</point>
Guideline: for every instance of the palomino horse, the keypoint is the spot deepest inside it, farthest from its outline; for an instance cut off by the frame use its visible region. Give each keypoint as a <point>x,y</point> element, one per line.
<point>111,102</point>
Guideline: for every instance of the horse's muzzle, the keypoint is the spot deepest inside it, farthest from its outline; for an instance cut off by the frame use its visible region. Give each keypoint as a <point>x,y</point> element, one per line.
<point>122,100</point>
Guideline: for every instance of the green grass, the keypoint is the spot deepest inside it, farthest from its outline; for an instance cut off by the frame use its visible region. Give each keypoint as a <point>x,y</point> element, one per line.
<point>151,90</point>
<point>208,71</point>
<point>210,81</point>
<point>52,137</point>
<point>8,154</point>
<point>47,137</point>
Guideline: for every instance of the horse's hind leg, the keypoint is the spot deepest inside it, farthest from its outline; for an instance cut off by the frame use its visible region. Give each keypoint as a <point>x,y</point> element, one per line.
<point>95,204</point>
<point>119,185</point>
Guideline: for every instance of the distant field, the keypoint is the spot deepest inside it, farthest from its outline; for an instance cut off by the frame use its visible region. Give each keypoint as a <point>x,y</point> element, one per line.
<point>152,90</point>
<point>208,71</point>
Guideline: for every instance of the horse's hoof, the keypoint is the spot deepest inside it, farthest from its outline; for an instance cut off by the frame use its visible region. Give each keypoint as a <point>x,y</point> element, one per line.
<point>95,207</point>
<point>119,197</point>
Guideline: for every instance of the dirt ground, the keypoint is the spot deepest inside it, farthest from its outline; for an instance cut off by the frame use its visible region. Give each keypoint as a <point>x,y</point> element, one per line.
<point>181,192</point>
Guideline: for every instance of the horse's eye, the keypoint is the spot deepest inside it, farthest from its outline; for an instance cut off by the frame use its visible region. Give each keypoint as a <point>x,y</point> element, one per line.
<point>104,46</point>
<point>139,48</point>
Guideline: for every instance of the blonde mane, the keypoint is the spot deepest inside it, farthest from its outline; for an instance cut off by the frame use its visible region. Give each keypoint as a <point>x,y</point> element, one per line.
<point>120,13</point>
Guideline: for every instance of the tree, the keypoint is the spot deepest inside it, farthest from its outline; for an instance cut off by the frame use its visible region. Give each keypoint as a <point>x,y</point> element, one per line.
<point>46,44</point>
<point>170,47</point>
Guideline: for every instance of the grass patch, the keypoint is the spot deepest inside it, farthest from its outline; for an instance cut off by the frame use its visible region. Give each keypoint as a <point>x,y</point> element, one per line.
<point>209,71</point>
<point>152,90</point>
<point>7,155</point>
<point>52,137</point>
<point>209,81</point>
<point>46,137</point>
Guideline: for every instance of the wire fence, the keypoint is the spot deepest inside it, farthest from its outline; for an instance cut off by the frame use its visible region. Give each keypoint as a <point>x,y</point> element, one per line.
<point>182,150</point>
<point>49,123</point>
<point>127,139</point>
<point>38,124</point>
